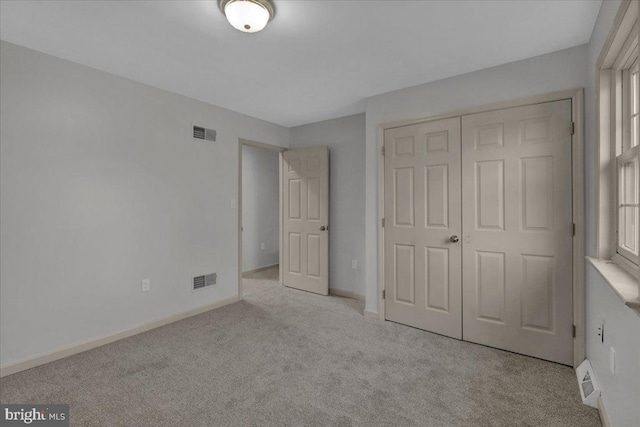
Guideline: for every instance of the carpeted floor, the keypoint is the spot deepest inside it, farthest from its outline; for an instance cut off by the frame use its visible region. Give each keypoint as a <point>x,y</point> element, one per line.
<point>285,357</point>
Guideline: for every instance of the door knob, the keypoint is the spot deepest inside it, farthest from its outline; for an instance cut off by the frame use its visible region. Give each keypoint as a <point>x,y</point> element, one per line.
<point>323,228</point>
<point>454,239</point>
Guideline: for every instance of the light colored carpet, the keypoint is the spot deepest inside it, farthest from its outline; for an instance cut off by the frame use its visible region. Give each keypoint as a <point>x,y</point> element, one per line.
<point>286,357</point>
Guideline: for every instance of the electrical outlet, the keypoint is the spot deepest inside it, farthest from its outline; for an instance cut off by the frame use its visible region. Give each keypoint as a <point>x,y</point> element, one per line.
<point>354,264</point>
<point>146,285</point>
<point>262,246</point>
<point>612,361</point>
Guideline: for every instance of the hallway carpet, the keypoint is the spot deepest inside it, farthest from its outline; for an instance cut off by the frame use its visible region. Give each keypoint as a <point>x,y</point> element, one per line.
<point>283,357</point>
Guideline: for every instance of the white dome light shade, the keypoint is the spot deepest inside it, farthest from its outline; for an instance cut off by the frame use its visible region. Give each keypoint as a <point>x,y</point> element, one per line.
<point>248,16</point>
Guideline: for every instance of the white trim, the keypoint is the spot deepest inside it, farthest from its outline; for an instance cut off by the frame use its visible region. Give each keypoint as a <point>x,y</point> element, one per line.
<point>616,53</point>
<point>615,42</point>
<point>280,214</point>
<point>577,185</point>
<point>264,145</point>
<point>607,121</point>
<point>345,294</point>
<point>605,212</point>
<point>604,417</point>
<point>242,142</point>
<point>577,110</point>
<point>521,102</point>
<point>620,140</point>
<point>381,214</point>
<point>624,284</point>
<point>61,353</point>
<point>627,265</point>
<point>258,269</point>
<point>371,315</point>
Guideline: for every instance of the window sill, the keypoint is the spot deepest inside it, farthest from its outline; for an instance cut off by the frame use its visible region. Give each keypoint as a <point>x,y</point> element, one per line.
<point>621,281</point>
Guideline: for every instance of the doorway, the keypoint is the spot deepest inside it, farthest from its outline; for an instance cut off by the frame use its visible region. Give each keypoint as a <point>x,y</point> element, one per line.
<point>258,216</point>
<point>478,237</point>
<point>283,217</point>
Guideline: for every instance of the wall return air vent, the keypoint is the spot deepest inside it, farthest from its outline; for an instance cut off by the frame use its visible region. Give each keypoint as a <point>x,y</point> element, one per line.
<point>204,134</point>
<point>204,281</point>
<point>589,390</point>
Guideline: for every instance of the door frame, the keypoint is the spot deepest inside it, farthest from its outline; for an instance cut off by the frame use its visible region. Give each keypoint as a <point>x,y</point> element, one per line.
<point>577,182</point>
<point>241,143</point>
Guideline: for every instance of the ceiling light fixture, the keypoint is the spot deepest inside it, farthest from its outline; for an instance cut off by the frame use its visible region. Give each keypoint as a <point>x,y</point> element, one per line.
<point>249,16</point>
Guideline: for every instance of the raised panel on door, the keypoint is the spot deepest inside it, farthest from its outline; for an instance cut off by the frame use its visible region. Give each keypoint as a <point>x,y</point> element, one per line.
<point>404,284</point>
<point>537,193</point>
<point>517,222</point>
<point>306,219</point>
<point>436,197</point>
<point>538,292</point>
<point>437,278</point>
<point>490,279</point>
<point>313,199</point>
<point>489,200</point>
<point>422,211</point>
<point>295,250</point>
<point>404,195</point>
<point>295,199</point>
<point>314,263</point>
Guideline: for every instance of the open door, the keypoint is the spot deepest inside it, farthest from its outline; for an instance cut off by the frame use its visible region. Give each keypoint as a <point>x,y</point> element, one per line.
<point>305,211</point>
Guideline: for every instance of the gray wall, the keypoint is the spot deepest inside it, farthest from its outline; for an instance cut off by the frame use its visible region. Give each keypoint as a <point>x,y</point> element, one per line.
<point>260,207</point>
<point>620,392</point>
<point>566,69</point>
<point>102,186</point>
<point>345,138</point>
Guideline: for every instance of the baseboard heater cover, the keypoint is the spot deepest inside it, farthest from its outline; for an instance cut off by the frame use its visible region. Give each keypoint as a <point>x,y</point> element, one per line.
<point>589,389</point>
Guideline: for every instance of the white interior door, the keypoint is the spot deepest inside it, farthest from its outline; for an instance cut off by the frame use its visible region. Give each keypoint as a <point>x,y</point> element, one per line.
<point>305,210</point>
<point>422,213</point>
<point>517,222</point>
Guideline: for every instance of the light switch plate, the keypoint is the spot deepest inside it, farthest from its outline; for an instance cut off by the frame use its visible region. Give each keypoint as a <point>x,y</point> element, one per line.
<point>612,360</point>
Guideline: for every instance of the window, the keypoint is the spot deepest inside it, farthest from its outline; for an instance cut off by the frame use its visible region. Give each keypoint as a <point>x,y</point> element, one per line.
<point>617,240</point>
<point>628,169</point>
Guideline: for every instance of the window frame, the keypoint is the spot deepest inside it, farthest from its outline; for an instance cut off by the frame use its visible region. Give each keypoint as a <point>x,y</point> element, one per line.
<point>616,54</point>
<point>622,110</point>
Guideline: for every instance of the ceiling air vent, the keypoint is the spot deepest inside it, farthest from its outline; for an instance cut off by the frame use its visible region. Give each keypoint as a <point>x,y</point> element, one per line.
<point>204,281</point>
<point>204,133</point>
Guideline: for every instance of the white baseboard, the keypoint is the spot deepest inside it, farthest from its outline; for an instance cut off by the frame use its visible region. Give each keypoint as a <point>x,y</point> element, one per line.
<point>61,353</point>
<point>371,314</point>
<point>256,270</point>
<point>346,294</point>
<point>603,413</point>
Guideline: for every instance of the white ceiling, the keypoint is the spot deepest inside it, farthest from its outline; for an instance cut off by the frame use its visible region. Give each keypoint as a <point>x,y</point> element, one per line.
<point>316,60</point>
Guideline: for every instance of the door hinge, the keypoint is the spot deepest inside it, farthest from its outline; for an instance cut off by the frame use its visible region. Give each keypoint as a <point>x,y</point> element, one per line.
<point>382,222</point>
<point>384,294</point>
<point>574,331</point>
<point>573,229</point>
<point>573,128</point>
<point>383,151</point>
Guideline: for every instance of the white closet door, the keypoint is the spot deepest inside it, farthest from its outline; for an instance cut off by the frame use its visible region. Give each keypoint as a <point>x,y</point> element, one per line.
<point>422,213</point>
<point>517,222</point>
